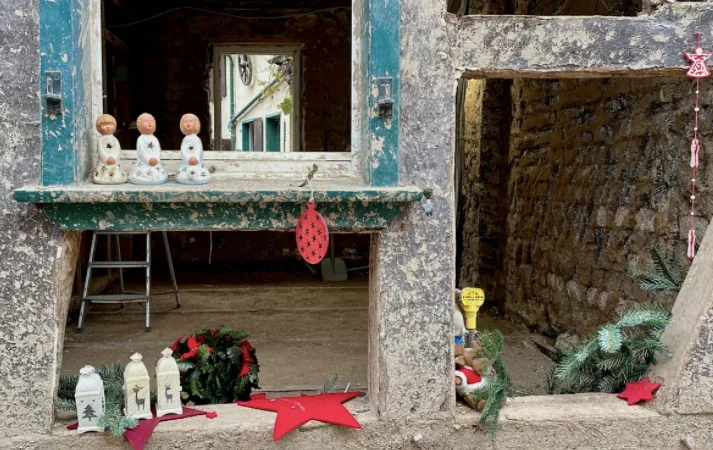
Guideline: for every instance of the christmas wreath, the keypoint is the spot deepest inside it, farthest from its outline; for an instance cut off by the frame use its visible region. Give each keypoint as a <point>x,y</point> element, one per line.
<point>217,365</point>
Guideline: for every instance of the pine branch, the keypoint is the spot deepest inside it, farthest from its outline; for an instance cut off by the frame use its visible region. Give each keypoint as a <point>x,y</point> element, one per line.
<point>331,385</point>
<point>659,276</point>
<point>497,385</point>
<point>649,315</point>
<point>610,338</point>
<point>662,266</point>
<point>621,352</point>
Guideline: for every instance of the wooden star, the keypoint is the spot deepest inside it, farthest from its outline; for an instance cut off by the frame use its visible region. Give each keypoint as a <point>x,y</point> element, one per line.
<point>295,411</point>
<point>642,390</point>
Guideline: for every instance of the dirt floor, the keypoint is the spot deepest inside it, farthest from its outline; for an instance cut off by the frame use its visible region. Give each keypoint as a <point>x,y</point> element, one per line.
<point>304,330</point>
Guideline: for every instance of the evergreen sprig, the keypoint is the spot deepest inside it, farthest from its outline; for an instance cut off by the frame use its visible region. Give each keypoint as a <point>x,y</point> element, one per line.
<point>660,275</point>
<point>113,377</point>
<point>619,353</point>
<point>332,384</point>
<point>496,376</point>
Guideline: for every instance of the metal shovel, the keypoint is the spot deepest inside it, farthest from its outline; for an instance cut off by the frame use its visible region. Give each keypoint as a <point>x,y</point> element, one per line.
<point>333,269</point>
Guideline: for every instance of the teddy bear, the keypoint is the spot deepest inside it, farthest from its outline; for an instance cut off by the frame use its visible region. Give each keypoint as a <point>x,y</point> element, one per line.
<point>468,375</point>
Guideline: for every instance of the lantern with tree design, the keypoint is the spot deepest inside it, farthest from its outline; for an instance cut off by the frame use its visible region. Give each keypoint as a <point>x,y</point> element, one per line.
<point>168,385</point>
<point>89,398</point>
<point>137,389</point>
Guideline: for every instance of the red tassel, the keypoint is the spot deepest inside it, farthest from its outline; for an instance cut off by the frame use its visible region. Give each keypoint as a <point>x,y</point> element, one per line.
<point>691,244</point>
<point>694,153</point>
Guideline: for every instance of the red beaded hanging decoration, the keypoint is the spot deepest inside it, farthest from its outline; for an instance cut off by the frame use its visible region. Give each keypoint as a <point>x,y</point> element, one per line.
<point>312,235</point>
<point>698,70</point>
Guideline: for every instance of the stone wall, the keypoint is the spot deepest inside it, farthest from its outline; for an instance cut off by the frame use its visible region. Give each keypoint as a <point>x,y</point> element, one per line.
<point>485,191</point>
<point>171,63</point>
<point>598,173</point>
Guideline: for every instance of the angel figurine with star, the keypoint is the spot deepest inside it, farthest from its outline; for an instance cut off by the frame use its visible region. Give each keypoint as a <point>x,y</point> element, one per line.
<point>192,170</point>
<point>148,168</point>
<point>107,153</point>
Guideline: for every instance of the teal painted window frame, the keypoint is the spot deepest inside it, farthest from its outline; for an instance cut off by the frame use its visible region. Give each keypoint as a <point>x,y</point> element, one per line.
<point>367,198</point>
<point>246,138</point>
<point>269,119</point>
<point>64,157</point>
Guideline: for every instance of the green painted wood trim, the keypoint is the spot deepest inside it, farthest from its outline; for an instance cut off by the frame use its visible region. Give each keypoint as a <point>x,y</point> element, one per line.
<point>222,216</point>
<point>384,18</point>
<point>170,193</point>
<point>58,46</point>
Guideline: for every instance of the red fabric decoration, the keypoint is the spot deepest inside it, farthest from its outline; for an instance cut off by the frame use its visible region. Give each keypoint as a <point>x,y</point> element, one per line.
<point>312,235</point>
<point>642,390</point>
<point>471,376</point>
<point>295,411</point>
<point>698,70</point>
<point>139,436</point>
<point>211,414</point>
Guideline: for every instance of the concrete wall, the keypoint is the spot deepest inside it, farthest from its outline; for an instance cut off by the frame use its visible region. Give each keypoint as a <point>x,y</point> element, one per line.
<point>32,290</point>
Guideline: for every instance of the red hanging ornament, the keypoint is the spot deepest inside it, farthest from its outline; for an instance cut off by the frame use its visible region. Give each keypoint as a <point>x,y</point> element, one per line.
<point>699,69</point>
<point>312,235</point>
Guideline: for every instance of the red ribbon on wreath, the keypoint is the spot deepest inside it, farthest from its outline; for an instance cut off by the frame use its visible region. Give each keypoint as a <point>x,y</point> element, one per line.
<point>248,360</point>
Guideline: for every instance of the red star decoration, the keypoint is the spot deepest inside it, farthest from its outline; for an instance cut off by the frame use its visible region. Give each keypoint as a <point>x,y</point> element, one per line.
<point>642,390</point>
<point>295,411</point>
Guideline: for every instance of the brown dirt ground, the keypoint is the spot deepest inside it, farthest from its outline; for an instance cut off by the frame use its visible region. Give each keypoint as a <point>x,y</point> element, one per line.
<point>304,330</point>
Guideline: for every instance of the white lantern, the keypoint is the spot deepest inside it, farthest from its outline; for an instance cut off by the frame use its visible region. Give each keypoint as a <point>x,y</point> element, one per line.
<point>168,380</point>
<point>137,389</point>
<point>89,397</point>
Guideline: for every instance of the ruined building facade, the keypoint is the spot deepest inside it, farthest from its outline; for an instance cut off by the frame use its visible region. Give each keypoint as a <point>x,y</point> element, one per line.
<point>572,138</point>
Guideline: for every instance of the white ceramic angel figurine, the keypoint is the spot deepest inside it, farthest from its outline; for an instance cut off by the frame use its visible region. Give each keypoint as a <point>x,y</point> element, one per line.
<point>192,170</point>
<point>107,153</point>
<point>148,168</point>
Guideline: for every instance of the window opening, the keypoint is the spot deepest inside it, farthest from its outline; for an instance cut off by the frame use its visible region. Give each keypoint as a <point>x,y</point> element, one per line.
<point>232,62</point>
<point>563,187</point>
<point>305,330</point>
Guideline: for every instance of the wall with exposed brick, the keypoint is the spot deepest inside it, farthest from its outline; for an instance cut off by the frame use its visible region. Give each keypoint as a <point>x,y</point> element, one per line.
<point>598,173</point>
<point>571,182</point>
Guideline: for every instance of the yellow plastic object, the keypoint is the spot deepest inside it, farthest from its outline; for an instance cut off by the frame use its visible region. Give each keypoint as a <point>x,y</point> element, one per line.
<point>471,300</point>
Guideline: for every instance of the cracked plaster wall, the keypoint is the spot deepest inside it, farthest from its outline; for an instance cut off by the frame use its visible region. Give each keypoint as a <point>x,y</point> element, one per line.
<point>413,260</point>
<point>29,243</point>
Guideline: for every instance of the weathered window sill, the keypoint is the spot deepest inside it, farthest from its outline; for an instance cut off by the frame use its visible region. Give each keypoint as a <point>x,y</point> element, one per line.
<point>218,192</point>
<point>232,419</point>
<point>220,205</point>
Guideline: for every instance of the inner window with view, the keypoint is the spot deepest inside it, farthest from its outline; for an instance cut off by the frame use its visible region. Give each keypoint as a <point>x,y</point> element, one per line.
<point>269,76</point>
<point>257,101</point>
